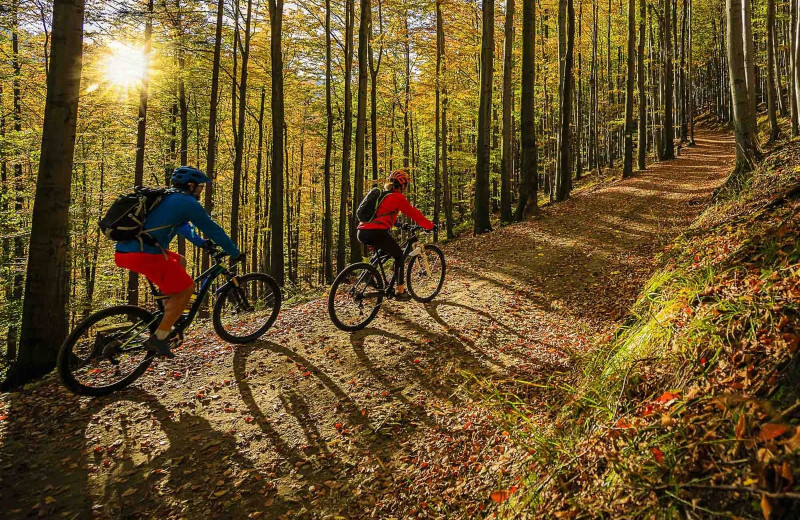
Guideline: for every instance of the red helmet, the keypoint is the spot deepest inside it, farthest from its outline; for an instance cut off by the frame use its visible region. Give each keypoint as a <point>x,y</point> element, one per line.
<point>400,177</point>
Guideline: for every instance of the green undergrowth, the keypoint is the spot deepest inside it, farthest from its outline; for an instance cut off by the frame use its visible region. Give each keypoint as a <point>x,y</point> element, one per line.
<point>691,410</point>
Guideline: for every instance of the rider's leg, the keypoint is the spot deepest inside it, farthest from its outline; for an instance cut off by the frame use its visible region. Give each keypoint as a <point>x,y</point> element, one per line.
<point>173,308</point>
<point>382,239</point>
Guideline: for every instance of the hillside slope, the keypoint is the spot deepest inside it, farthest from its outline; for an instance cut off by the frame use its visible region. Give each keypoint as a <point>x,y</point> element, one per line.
<point>692,408</point>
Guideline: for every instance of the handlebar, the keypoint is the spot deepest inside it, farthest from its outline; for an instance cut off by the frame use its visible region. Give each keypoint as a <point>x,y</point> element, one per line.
<point>218,254</point>
<point>412,227</point>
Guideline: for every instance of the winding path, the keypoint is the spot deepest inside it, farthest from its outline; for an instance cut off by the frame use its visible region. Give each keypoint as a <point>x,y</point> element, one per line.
<point>316,423</point>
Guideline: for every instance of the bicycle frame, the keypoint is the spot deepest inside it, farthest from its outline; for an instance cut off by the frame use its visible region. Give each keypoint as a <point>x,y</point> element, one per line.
<point>379,258</point>
<point>205,280</point>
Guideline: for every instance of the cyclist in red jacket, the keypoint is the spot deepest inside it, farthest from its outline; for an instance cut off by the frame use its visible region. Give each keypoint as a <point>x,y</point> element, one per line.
<point>376,232</point>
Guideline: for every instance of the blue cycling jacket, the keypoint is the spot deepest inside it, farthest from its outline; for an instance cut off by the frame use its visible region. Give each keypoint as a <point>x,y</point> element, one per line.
<point>177,210</point>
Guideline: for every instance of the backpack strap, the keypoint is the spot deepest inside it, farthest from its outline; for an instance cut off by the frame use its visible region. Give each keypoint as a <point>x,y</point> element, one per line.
<point>378,205</point>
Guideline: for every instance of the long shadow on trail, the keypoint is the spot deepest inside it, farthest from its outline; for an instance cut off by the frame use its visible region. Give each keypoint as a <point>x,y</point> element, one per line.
<point>134,475</point>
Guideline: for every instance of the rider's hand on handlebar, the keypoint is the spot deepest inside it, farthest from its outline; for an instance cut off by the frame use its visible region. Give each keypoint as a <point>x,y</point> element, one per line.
<point>237,259</point>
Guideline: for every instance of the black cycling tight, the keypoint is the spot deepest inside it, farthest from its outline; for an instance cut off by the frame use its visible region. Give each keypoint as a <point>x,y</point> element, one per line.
<point>382,240</point>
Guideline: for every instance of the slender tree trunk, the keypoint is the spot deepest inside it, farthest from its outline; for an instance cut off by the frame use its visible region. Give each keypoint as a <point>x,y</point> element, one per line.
<point>345,222</point>
<point>669,129</point>
<point>750,66</point>
<point>507,168</point>
<point>563,174</point>
<point>327,223</point>
<point>641,150</point>
<point>239,151</point>
<point>793,69</point>
<point>482,223</point>
<point>138,176</point>
<point>278,123</point>
<point>745,142</point>
<point>407,99</point>
<point>361,116</point>
<point>447,189</point>
<point>771,70</point>
<point>691,76</point>
<point>374,69</point>
<point>45,302</point>
<point>258,218</point>
<point>18,190</point>
<point>627,164</point>
<point>438,123</point>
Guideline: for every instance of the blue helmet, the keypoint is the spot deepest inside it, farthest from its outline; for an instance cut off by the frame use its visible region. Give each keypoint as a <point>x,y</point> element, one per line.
<point>187,174</point>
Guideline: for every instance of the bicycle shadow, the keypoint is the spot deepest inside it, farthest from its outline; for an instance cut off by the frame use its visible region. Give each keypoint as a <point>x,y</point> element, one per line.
<point>159,463</point>
<point>298,406</point>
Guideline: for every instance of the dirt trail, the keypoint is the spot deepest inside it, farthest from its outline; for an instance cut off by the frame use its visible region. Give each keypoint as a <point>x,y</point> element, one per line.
<point>316,423</point>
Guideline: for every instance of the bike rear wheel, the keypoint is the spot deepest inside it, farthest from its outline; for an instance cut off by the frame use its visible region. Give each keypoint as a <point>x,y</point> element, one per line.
<point>105,352</point>
<point>247,308</point>
<point>355,297</point>
<point>426,272</point>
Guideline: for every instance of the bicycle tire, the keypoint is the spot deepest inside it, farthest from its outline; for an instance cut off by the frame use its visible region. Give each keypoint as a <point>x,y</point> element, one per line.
<point>413,263</point>
<point>337,283</point>
<point>229,292</point>
<point>66,354</point>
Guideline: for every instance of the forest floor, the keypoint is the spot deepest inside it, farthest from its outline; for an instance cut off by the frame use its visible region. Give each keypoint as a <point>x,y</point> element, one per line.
<point>312,422</point>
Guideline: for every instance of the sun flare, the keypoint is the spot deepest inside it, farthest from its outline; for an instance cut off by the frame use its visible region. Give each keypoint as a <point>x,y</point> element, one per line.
<point>124,65</point>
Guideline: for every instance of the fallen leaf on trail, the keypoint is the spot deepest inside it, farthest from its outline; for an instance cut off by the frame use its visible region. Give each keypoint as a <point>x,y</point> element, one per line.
<point>667,397</point>
<point>3,417</point>
<point>501,495</point>
<point>658,454</point>
<point>49,500</point>
<point>248,420</point>
<point>128,492</point>
<point>220,492</point>
<point>793,443</point>
<point>741,425</point>
<point>766,508</point>
<point>772,430</point>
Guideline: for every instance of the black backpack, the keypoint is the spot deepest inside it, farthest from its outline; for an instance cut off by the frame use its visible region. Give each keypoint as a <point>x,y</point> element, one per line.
<point>368,209</point>
<point>125,219</point>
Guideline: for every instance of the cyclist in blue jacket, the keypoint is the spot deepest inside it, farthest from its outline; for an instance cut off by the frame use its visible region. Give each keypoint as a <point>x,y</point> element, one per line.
<point>167,269</point>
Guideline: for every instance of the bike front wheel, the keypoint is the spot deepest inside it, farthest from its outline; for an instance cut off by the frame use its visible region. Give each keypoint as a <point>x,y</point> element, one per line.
<point>247,307</point>
<point>105,352</point>
<point>355,297</point>
<point>425,275</point>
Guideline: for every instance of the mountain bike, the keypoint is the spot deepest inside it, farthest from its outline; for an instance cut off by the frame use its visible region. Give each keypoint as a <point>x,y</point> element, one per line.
<point>358,291</point>
<point>105,352</point>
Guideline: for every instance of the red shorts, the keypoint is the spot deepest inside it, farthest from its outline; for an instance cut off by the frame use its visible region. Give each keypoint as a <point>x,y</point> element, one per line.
<point>166,273</point>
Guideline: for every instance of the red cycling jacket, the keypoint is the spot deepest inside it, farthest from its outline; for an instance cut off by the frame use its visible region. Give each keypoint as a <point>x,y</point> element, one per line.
<point>387,213</point>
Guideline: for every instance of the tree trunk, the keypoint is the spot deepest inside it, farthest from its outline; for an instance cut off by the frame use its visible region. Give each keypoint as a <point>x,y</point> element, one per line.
<point>45,303</point>
<point>507,168</point>
<point>276,198</point>
<point>211,148</point>
<point>482,223</point>
<point>641,150</point>
<point>669,129</point>
<point>447,191</point>
<point>750,67</point>
<point>566,21</point>
<point>438,125</point>
<point>347,137</point>
<point>237,160</point>
<point>138,175</point>
<point>793,69</point>
<point>772,108</point>
<point>258,218</point>
<point>627,164</point>
<point>327,224</point>
<point>361,117</point>
<point>18,190</point>
<point>407,97</point>
<point>745,143</point>
<point>374,68</point>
